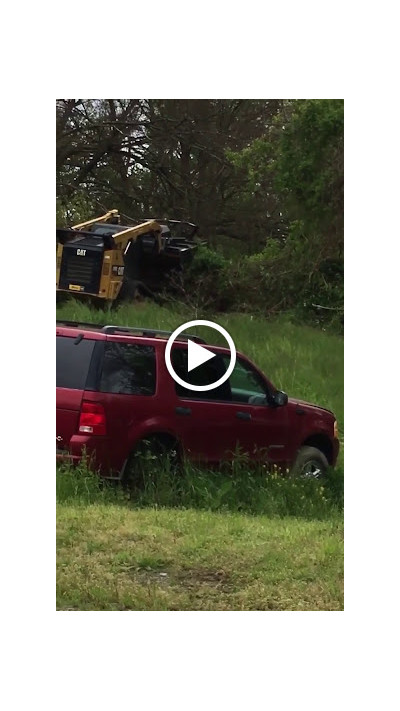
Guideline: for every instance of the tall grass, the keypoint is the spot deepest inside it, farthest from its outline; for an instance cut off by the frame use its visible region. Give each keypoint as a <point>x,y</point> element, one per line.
<point>234,487</point>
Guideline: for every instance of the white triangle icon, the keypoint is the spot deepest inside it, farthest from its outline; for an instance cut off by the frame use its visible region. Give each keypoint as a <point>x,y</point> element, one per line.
<point>197,355</point>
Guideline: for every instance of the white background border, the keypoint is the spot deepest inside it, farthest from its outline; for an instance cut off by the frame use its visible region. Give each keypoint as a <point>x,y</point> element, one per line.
<point>201,660</point>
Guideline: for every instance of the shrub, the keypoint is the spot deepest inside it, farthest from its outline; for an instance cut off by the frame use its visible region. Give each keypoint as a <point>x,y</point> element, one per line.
<point>202,286</point>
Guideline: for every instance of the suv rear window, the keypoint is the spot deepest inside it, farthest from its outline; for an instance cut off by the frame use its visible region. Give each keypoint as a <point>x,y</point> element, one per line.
<point>128,369</point>
<point>73,361</point>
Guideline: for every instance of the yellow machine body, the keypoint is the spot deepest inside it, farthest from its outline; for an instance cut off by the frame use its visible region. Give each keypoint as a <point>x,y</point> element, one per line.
<point>91,265</point>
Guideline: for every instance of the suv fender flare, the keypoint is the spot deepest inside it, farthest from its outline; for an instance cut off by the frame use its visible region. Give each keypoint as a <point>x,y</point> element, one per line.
<point>322,441</point>
<point>163,435</point>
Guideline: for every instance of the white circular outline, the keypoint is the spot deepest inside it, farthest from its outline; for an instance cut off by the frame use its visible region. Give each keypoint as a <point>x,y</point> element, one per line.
<point>191,324</point>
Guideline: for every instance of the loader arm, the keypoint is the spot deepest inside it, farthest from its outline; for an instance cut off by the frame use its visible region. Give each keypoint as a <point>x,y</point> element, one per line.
<point>103,218</point>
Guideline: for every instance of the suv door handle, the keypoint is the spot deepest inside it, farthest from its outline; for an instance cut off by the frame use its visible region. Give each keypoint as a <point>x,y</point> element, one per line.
<point>183,411</point>
<point>243,415</point>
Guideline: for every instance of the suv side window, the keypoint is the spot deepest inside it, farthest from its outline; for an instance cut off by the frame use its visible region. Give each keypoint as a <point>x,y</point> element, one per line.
<point>73,361</point>
<point>128,369</point>
<point>205,374</point>
<point>246,384</point>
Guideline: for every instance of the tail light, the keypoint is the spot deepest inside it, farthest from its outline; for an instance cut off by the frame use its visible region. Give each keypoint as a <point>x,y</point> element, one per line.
<point>92,419</point>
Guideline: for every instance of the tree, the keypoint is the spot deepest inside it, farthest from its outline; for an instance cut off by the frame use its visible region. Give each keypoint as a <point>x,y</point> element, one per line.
<point>295,174</point>
<point>309,166</point>
<point>262,178</point>
<point>161,157</point>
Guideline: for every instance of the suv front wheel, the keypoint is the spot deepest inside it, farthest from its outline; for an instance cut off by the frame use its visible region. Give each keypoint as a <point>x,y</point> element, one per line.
<point>310,463</point>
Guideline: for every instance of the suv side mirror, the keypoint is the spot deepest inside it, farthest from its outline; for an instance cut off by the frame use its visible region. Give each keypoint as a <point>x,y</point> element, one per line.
<point>279,398</point>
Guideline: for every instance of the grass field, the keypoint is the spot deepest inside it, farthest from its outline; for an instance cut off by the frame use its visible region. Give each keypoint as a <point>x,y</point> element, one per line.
<point>246,543</point>
<point>111,557</point>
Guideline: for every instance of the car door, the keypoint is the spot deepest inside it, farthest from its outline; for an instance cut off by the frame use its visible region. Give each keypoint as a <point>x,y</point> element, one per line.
<point>199,418</point>
<point>261,429</point>
<point>213,424</point>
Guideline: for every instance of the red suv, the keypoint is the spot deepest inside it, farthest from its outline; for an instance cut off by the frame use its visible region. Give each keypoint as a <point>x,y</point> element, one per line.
<point>114,393</point>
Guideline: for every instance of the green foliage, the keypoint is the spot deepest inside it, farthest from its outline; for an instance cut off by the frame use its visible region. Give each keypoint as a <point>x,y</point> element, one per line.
<point>301,159</point>
<point>256,159</point>
<point>295,277</point>
<point>78,209</point>
<point>299,163</point>
<point>309,164</point>
<point>83,486</point>
<point>206,261</point>
<point>202,286</point>
<point>292,276</point>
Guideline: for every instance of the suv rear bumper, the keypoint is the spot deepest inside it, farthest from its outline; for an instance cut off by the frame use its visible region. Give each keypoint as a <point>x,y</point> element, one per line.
<point>99,453</point>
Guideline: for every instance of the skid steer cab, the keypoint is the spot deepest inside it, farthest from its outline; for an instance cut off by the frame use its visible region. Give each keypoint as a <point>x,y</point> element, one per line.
<point>103,259</point>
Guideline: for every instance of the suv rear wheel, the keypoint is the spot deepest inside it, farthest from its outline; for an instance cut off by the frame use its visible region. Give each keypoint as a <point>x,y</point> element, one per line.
<point>149,458</point>
<point>310,463</point>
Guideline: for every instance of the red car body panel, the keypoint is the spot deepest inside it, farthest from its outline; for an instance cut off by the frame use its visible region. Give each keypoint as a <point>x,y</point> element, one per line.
<point>207,431</point>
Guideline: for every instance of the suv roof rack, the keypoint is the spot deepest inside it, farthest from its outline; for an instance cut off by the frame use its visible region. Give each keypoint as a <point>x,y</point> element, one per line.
<point>147,332</point>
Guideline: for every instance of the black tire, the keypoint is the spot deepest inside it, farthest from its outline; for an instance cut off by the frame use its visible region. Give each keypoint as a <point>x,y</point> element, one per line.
<point>310,463</point>
<point>148,458</point>
<point>128,290</point>
<point>132,289</point>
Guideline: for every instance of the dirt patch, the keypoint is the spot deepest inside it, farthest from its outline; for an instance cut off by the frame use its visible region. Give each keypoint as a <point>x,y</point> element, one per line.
<point>188,578</point>
<point>198,577</point>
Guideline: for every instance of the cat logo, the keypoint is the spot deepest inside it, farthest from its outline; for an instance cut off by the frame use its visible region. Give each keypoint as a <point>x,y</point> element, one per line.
<point>81,252</point>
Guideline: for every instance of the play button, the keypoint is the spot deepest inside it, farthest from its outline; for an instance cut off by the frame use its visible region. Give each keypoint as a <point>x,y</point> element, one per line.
<point>197,354</point>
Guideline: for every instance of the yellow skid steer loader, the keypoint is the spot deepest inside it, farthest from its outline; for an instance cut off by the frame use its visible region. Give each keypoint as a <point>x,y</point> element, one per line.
<point>104,259</point>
